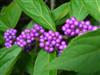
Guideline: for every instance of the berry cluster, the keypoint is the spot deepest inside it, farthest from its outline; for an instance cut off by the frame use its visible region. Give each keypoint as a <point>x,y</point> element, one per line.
<point>52,40</point>
<point>74,27</point>
<point>10,36</point>
<point>49,41</point>
<point>26,38</point>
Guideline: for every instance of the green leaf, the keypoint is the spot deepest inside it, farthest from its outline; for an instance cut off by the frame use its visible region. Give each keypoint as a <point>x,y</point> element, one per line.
<point>10,15</point>
<point>8,58</point>
<point>82,55</point>
<point>96,73</point>
<point>30,24</point>
<point>62,21</point>
<point>30,66</point>
<point>61,11</point>
<point>90,35</point>
<point>1,38</point>
<point>30,62</point>
<point>38,11</point>
<point>93,7</point>
<point>77,9</point>
<point>42,60</point>
<point>85,74</point>
<point>3,26</point>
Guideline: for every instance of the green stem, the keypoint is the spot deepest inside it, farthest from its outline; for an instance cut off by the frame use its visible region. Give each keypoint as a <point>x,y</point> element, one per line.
<point>52,4</point>
<point>46,0</point>
<point>65,37</point>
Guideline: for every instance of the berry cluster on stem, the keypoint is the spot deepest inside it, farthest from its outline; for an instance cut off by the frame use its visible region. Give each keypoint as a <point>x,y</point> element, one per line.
<point>10,36</point>
<point>49,41</point>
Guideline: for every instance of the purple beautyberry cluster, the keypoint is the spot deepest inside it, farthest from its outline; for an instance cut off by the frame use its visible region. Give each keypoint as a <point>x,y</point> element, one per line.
<point>73,27</point>
<point>10,36</point>
<point>24,38</point>
<point>49,41</point>
<point>29,35</point>
<point>52,40</point>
